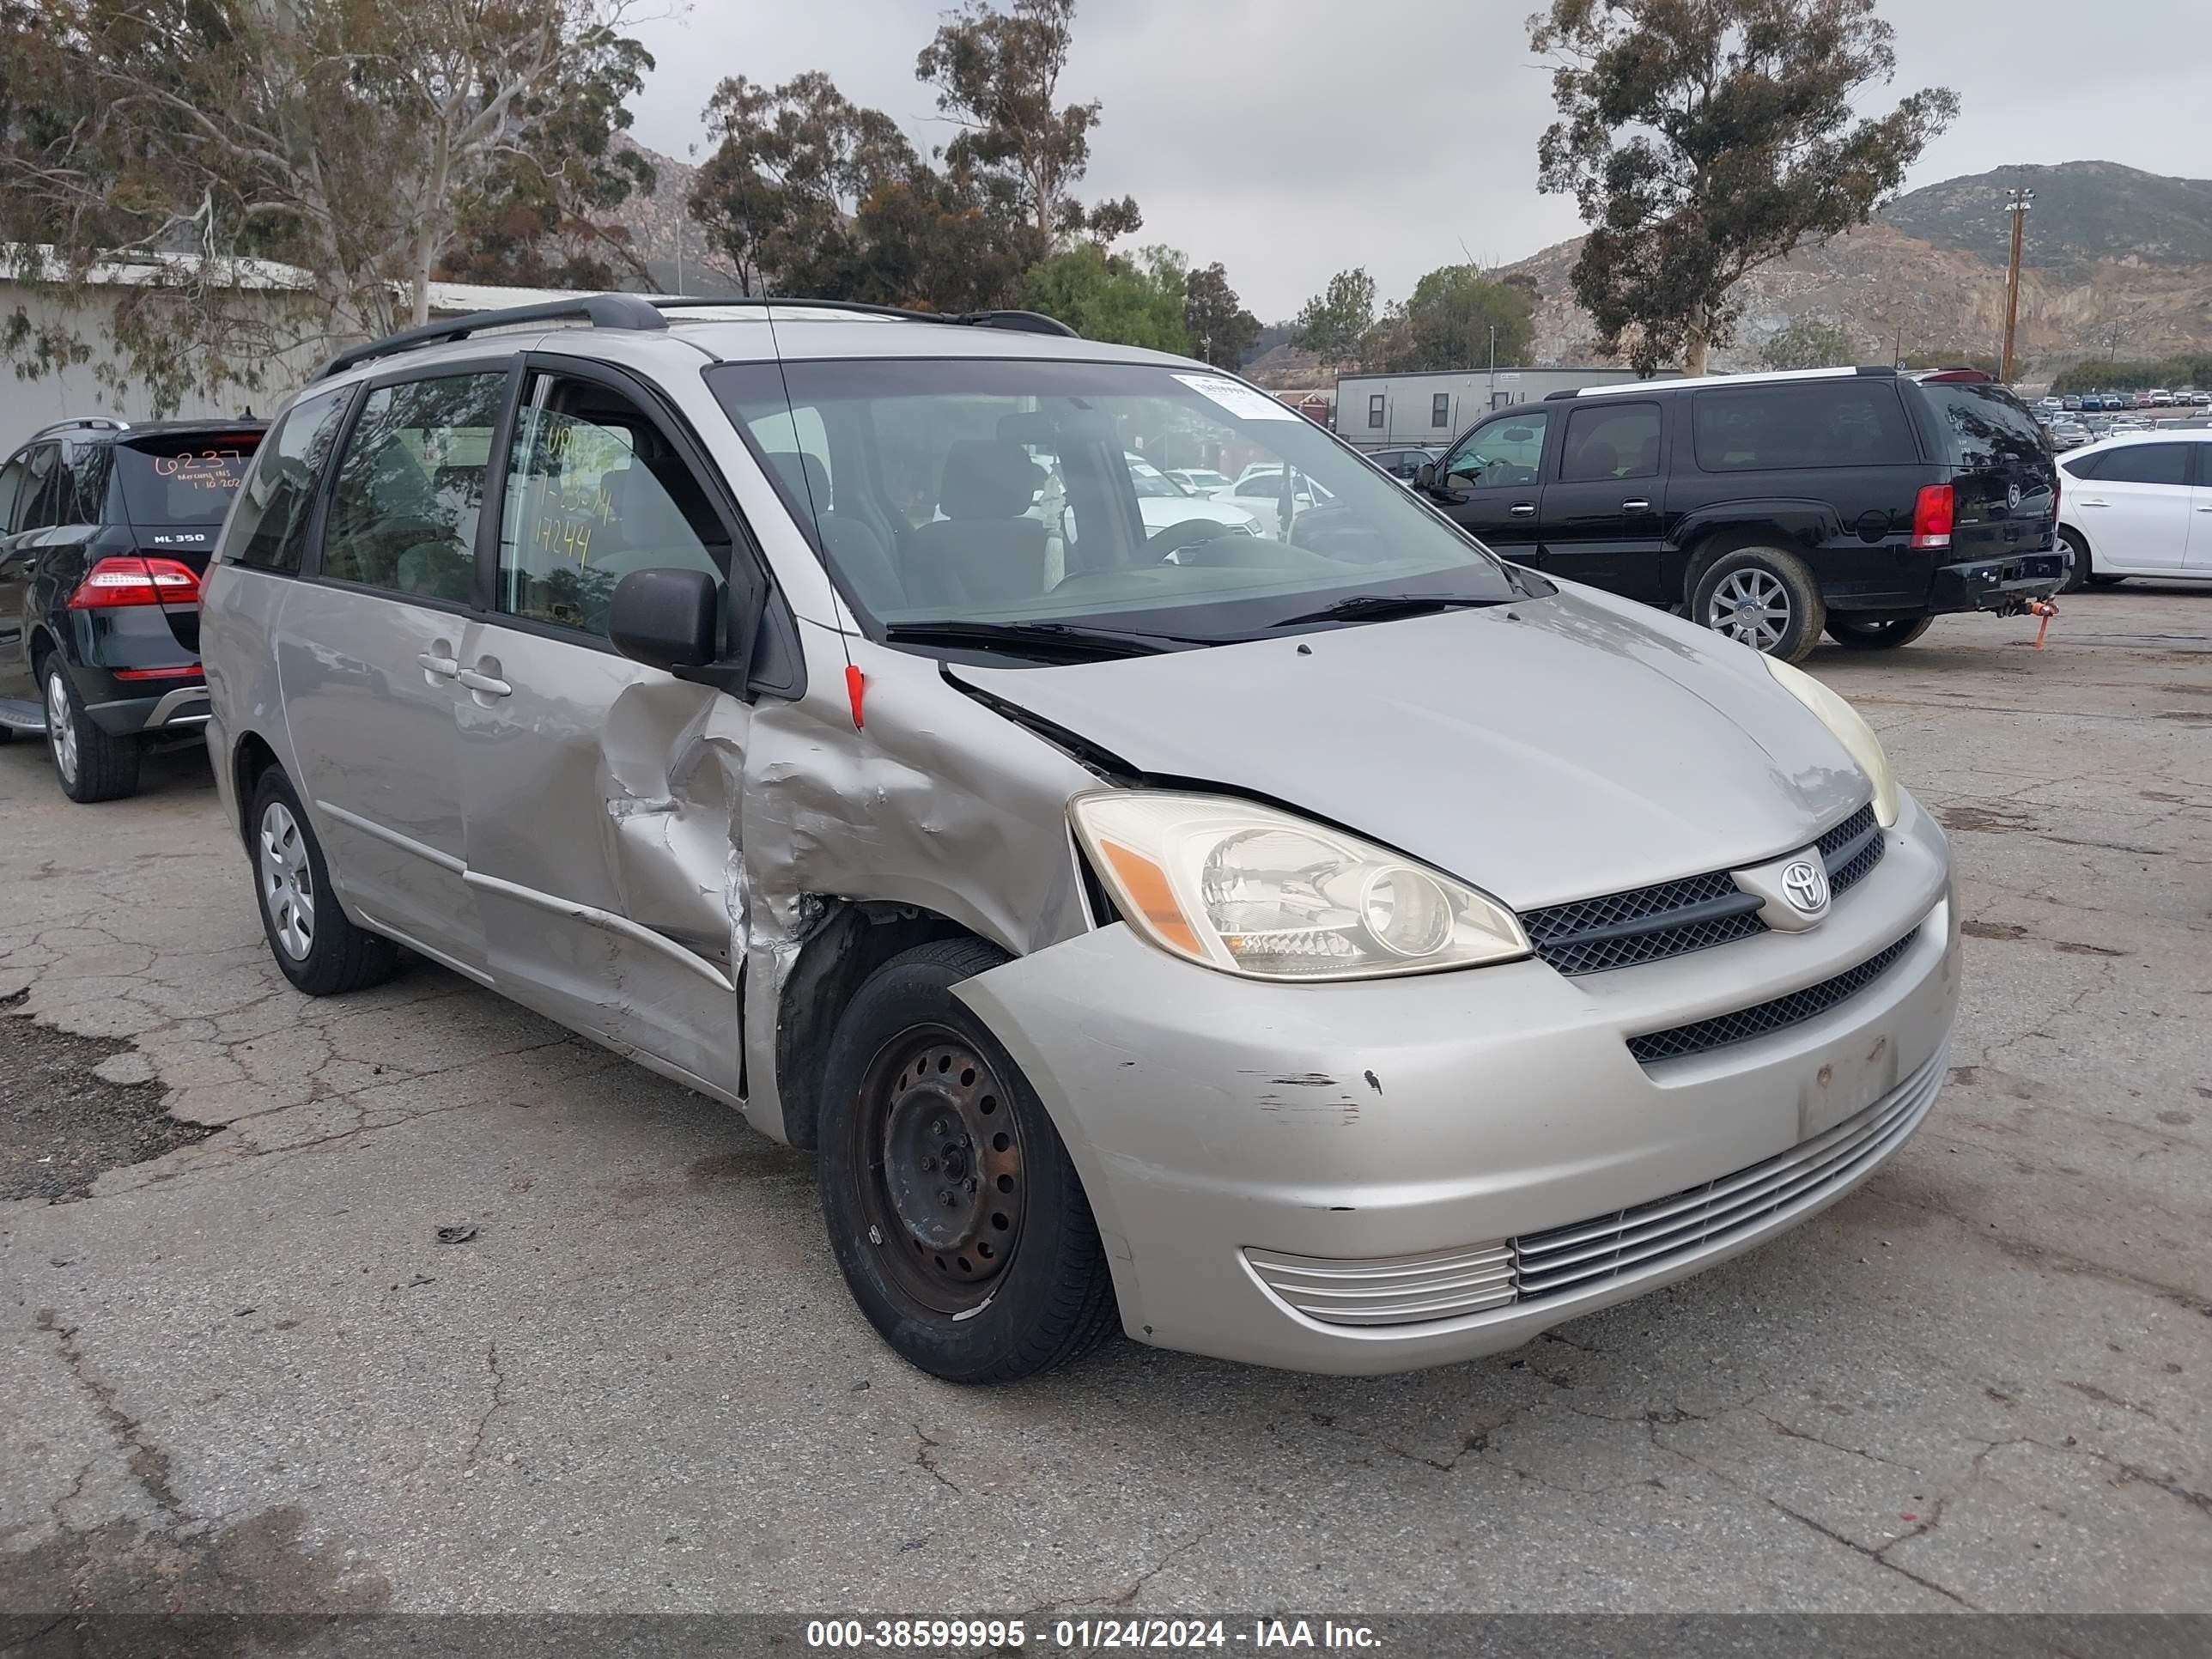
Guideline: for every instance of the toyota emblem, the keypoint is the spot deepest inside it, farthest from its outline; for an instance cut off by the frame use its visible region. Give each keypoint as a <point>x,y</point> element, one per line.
<point>1805,885</point>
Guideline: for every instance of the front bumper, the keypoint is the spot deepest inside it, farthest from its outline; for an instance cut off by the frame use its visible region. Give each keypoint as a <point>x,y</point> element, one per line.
<point>2003,585</point>
<point>1247,1147</point>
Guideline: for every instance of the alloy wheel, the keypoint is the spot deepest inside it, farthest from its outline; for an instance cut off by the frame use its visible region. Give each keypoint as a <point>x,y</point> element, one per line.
<point>61,726</point>
<point>1751,606</point>
<point>288,883</point>
<point>940,1162</point>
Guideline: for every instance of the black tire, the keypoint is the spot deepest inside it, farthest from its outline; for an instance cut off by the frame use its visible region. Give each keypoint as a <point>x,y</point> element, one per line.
<point>917,1092</point>
<point>2077,570</point>
<point>1884,634</point>
<point>90,764</point>
<point>337,957</point>
<point>1788,621</point>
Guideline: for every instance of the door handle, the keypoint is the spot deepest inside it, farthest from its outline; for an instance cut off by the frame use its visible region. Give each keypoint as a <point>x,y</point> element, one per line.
<point>439,660</point>
<point>490,685</point>
<point>1522,509</point>
<point>2090,501</point>
<point>1639,505</point>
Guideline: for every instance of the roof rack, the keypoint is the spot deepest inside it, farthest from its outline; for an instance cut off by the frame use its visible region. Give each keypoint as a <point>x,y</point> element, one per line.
<point>79,422</point>
<point>643,313</point>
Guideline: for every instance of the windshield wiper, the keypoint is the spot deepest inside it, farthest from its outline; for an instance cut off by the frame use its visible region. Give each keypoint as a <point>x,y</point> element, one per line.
<point>1050,638</point>
<point>1363,607</point>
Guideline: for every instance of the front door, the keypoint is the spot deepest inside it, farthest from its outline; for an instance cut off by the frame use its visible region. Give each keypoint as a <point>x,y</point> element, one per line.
<point>2136,506</point>
<point>602,796</point>
<point>369,656</point>
<point>1600,515</point>
<point>1489,484</point>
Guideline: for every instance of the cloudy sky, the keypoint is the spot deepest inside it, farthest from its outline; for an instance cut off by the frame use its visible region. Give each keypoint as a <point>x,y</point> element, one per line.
<point>1290,138</point>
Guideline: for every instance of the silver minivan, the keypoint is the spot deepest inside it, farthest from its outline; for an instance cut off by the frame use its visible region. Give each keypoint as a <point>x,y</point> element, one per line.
<point>1330,947</point>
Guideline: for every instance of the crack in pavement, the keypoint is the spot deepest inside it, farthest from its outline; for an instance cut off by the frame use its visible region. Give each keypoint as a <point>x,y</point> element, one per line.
<point>922,1460</point>
<point>497,1403</point>
<point>148,1463</point>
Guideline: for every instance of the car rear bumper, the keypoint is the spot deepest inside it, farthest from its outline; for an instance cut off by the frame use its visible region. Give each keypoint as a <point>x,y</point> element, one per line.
<point>1371,1177</point>
<point>176,706</point>
<point>2001,585</point>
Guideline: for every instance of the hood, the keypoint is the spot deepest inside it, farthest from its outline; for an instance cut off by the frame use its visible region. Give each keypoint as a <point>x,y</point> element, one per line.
<point>1549,749</point>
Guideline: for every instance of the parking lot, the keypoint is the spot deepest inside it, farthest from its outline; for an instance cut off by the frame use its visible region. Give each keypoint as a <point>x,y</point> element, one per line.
<point>438,1307</point>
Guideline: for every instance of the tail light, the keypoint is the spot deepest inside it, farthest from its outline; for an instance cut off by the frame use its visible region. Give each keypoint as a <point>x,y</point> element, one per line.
<point>127,579</point>
<point>1931,516</point>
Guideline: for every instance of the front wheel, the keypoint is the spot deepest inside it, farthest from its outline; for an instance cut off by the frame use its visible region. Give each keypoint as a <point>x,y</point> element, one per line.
<point>1763,598</point>
<point>954,1211</point>
<point>1884,634</point>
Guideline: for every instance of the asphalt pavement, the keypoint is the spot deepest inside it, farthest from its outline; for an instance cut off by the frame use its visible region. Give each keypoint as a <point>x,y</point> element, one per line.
<point>411,1300</point>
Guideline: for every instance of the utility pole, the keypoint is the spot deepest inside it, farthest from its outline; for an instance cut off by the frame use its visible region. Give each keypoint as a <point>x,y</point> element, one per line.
<point>1897,352</point>
<point>1493,365</point>
<point>2016,203</point>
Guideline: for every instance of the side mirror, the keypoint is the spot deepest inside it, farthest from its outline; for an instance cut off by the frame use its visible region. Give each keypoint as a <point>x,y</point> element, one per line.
<point>1425,476</point>
<point>668,619</point>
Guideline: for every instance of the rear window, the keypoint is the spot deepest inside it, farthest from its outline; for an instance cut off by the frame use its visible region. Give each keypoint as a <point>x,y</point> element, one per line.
<point>1764,428</point>
<point>1984,425</point>
<point>183,480</point>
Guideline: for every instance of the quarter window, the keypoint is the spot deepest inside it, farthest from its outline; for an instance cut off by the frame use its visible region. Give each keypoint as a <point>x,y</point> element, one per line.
<point>1611,440</point>
<point>1500,452</point>
<point>2144,464</point>
<point>410,488</point>
<point>593,492</point>
<point>1852,423</point>
<point>269,529</point>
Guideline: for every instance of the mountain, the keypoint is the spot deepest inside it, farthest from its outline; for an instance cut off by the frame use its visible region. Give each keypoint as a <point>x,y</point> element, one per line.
<point>2115,259</point>
<point>674,248</point>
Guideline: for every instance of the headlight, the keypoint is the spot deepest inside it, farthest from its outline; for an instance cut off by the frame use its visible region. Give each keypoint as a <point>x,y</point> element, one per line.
<point>1850,730</point>
<point>1251,890</point>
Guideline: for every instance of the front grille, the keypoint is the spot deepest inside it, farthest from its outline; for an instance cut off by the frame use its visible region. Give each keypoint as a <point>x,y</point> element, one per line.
<point>1566,1262</point>
<point>1617,930</point>
<point>1399,1289</point>
<point>1759,1019</point>
<point>1850,849</point>
<point>1589,936</point>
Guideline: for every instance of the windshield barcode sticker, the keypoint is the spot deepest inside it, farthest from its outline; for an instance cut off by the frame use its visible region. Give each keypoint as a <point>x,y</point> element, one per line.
<point>1239,399</point>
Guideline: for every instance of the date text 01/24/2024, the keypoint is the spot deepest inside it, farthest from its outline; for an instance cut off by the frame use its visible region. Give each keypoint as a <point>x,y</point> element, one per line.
<point>1004,1635</point>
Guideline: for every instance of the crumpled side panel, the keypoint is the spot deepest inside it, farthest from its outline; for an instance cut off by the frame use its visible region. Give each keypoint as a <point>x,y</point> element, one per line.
<point>935,802</point>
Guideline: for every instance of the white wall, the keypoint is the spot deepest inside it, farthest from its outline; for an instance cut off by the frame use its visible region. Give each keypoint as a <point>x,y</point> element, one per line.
<point>27,405</point>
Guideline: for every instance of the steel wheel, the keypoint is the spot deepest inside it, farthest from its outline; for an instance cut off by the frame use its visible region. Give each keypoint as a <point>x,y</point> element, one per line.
<point>288,885</point>
<point>61,726</point>
<point>1751,606</point>
<point>940,1157</point>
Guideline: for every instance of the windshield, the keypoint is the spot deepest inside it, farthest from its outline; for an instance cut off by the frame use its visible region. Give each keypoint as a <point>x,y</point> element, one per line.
<point>183,480</point>
<point>1007,492</point>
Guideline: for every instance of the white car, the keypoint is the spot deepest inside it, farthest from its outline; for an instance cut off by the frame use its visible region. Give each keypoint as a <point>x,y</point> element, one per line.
<point>1162,502</point>
<point>1202,481</point>
<point>2138,504</point>
<point>2160,397</point>
<point>1258,491</point>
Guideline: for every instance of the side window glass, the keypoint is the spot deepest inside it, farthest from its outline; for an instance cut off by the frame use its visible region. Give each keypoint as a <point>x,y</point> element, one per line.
<point>593,492</point>
<point>1611,440</point>
<point>84,492</point>
<point>2145,464</point>
<point>13,477</point>
<point>1501,453</point>
<point>410,487</point>
<point>42,490</point>
<point>269,528</point>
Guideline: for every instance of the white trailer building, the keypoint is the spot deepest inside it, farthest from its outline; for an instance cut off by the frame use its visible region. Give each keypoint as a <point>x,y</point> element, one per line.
<point>1427,409</point>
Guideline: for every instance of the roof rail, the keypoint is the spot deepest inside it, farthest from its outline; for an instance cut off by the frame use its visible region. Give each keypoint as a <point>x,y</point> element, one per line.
<point>630,311</point>
<point>1021,322</point>
<point>1888,369</point>
<point>78,423</point>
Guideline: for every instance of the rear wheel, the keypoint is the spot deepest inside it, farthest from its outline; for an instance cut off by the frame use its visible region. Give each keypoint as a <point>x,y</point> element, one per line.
<point>1884,633</point>
<point>314,942</point>
<point>954,1211</point>
<point>91,765</point>
<point>1763,598</point>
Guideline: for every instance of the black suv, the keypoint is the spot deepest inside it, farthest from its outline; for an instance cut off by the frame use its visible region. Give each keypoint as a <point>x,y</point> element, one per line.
<point>1769,506</point>
<point>104,528</point>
